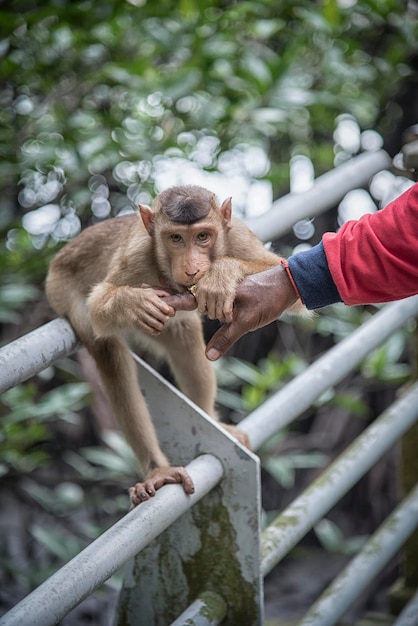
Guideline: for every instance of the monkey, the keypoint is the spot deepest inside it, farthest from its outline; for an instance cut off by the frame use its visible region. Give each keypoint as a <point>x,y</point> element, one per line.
<point>114,281</point>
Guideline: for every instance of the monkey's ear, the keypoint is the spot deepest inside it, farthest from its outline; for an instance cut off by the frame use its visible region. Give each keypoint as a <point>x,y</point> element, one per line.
<point>226,210</point>
<point>147,215</point>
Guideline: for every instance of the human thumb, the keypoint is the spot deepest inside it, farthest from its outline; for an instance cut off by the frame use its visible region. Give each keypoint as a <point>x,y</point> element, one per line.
<point>222,341</point>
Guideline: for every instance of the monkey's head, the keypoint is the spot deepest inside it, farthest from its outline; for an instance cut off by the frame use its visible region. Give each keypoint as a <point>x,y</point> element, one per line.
<point>189,229</point>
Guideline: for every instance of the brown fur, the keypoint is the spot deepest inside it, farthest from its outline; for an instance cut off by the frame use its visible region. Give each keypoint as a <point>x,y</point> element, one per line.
<point>100,283</point>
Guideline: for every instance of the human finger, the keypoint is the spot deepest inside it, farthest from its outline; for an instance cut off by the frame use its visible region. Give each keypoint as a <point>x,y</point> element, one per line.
<point>181,301</point>
<point>223,340</point>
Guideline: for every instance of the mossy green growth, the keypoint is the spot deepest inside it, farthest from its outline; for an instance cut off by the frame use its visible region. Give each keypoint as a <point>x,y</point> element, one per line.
<point>214,606</point>
<point>197,557</point>
<point>215,566</point>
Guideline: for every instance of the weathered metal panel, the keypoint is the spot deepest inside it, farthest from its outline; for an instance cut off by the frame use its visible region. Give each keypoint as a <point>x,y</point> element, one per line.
<point>216,545</point>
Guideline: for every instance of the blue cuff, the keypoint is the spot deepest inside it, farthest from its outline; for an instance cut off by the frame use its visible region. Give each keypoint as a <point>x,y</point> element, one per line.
<point>313,279</point>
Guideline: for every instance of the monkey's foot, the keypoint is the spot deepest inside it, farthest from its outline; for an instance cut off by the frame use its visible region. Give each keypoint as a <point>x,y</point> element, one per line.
<point>238,434</point>
<point>156,479</point>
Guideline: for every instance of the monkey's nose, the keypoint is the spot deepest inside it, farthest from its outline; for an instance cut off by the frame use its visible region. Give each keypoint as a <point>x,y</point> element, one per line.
<point>191,274</point>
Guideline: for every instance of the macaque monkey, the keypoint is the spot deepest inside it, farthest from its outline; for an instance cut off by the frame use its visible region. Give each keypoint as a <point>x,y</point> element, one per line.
<point>116,279</point>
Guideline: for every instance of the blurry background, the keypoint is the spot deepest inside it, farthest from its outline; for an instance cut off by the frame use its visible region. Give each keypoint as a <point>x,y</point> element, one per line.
<point>104,104</point>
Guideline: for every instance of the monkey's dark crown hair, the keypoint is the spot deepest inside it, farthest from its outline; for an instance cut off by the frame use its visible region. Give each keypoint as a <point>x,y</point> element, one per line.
<point>186,205</point>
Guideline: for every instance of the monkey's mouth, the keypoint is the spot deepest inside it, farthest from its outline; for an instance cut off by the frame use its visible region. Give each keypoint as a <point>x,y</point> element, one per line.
<point>182,288</point>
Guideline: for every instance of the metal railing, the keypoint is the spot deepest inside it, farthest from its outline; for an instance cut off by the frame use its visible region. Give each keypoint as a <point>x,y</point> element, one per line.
<point>201,559</point>
<point>65,589</point>
<point>101,559</point>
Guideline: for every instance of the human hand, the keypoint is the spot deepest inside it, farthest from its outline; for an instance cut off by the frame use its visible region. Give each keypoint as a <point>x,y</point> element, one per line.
<point>261,298</point>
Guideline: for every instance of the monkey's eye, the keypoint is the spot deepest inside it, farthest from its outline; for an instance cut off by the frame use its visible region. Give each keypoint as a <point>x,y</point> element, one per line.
<point>175,238</point>
<point>204,236</point>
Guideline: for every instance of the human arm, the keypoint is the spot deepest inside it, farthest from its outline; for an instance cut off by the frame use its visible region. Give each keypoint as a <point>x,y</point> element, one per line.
<point>371,260</point>
<point>374,259</point>
<point>312,278</point>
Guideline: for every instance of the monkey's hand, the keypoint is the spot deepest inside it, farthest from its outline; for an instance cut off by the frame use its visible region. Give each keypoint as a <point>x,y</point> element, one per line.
<point>149,310</point>
<point>156,479</point>
<point>215,291</point>
<point>113,308</point>
<point>155,312</point>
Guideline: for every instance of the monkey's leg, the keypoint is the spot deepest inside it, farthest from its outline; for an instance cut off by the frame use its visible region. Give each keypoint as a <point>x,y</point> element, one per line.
<point>194,374</point>
<point>118,373</point>
<point>185,350</point>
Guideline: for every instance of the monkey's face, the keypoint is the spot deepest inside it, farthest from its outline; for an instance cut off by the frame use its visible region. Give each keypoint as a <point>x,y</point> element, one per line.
<point>188,251</point>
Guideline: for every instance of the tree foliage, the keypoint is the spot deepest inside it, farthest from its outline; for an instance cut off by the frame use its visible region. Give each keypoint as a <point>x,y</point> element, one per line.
<point>97,96</point>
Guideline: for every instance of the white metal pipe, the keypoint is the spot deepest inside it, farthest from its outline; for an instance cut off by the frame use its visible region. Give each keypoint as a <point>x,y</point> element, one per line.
<point>208,610</point>
<point>298,395</point>
<point>306,510</point>
<point>377,552</point>
<point>90,568</point>
<point>30,354</point>
<point>409,616</point>
<point>327,191</point>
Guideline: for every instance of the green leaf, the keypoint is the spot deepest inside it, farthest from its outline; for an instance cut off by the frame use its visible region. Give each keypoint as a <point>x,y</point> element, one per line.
<point>382,362</point>
<point>15,295</point>
<point>283,467</point>
<point>281,471</point>
<point>242,370</point>
<point>352,403</point>
<point>252,397</point>
<point>230,399</point>
<point>109,460</point>
<point>333,540</point>
<point>120,447</point>
<point>330,535</point>
<point>62,545</point>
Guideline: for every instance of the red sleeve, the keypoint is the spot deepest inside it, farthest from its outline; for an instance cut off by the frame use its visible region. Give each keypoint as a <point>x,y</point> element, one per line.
<point>375,259</point>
